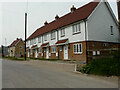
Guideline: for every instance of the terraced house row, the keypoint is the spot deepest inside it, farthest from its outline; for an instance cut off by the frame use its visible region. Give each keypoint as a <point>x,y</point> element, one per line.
<point>90,31</point>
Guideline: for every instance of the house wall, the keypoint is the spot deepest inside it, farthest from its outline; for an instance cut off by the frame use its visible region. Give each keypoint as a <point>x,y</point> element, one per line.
<point>97,29</point>
<point>98,25</point>
<point>80,57</point>
<point>12,49</point>
<point>105,49</point>
<point>73,37</point>
<point>18,49</point>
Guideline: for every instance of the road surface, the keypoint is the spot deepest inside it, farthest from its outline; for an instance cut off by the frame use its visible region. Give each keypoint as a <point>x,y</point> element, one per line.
<point>22,75</point>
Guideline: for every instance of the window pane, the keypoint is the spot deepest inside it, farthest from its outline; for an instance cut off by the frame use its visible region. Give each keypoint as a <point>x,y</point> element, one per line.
<point>73,28</point>
<point>78,27</point>
<point>111,27</point>
<point>74,48</point>
<point>77,48</point>
<point>80,46</point>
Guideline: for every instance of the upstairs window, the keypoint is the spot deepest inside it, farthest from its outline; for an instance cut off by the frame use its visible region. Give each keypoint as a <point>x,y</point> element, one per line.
<point>30,42</point>
<point>21,47</point>
<point>78,48</point>
<point>53,49</point>
<point>53,35</point>
<point>45,37</point>
<point>34,40</point>
<point>62,32</point>
<point>76,28</point>
<point>111,28</point>
<point>39,39</point>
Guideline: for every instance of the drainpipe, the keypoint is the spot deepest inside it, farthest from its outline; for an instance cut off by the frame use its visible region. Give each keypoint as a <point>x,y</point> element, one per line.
<point>57,40</point>
<point>42,48</point>
<point>86,40</point>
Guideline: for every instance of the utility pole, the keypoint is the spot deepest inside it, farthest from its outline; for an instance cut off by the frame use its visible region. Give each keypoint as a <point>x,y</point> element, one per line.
<point>2,51</point>
<point>25,32</point>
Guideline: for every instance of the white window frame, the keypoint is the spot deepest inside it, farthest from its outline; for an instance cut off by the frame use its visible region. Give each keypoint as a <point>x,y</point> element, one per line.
<point>76,28</point>
<point>45,37</point>
<point>34,41</point>
<point>62,32</point>
<point>39,39</point>
<point>77,48</point>
<point>53,36</point>
<point>94,53</point>
<point>98,52</point>
<point>53,49</point>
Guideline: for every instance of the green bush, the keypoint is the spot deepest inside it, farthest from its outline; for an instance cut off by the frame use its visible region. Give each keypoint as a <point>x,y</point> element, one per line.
<point>105,67</point>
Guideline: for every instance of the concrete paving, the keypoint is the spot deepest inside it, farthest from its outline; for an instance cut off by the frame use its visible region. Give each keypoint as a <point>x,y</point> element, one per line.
<point>41,75</point>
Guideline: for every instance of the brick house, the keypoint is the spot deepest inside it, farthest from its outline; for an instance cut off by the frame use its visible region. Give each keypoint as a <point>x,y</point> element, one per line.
<point>16,49</point>
<point>84,33</point>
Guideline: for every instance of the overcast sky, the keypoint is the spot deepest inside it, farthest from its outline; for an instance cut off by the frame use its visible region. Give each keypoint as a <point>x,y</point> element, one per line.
<point>12,16</point>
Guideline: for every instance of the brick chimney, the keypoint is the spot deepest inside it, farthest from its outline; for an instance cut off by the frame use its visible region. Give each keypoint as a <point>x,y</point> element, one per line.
<point>45,23</point>
<point>73,9</point>
<point>56,17</point>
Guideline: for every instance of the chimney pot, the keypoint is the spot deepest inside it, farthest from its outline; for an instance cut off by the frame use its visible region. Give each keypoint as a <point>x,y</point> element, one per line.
<point>56,17</point>
<point>45,23</point>
<point>73,9</point>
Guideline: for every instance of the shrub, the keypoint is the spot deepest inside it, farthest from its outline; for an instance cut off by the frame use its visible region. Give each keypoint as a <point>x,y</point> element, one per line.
<point>106,66</point>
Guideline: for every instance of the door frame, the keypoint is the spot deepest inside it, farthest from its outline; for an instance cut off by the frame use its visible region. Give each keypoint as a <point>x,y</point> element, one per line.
<point>65,54</point>
<point>47,52</point>
<point>36,53</point>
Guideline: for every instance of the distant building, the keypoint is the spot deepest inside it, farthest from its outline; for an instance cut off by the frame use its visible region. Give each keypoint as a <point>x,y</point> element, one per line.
<point>85,33</point>
<point>16,49</point>
<point>4,51</point>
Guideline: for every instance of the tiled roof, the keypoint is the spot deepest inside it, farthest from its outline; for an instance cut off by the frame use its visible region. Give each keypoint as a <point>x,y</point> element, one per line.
<point>79,14</point>
<point>14,42</point>
<point>61,41</point>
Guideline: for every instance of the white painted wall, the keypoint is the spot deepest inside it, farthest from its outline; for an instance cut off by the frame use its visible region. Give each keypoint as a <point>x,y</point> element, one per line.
<point>74,38</point>
<point>99,25</point>
<point>68,35</point>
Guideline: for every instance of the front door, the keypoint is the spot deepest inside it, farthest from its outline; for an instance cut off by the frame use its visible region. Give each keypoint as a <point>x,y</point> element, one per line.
<point>36,54</point>
<point>65,52</point>
<point>28,53</point>
<point>47,52</point>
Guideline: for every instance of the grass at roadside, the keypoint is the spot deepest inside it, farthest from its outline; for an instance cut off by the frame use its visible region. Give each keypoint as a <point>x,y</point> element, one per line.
<point>16,59</point>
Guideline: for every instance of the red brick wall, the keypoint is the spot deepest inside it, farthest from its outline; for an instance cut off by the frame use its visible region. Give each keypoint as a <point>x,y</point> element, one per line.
<point>105,51</point>
<point>53,55</point>
<point>79,57</point>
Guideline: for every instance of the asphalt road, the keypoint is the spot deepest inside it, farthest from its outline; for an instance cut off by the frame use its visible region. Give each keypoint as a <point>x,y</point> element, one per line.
<point>20,75</point>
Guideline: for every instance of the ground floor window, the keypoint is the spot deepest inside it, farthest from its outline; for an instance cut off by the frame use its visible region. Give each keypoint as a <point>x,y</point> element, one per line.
<point>53,49</point>
<point>98,52</point>
<point>60,48</point>
<point>31,51</point>
<point>77,48</point>
<point>94,53</point>
<point>40,50</point>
